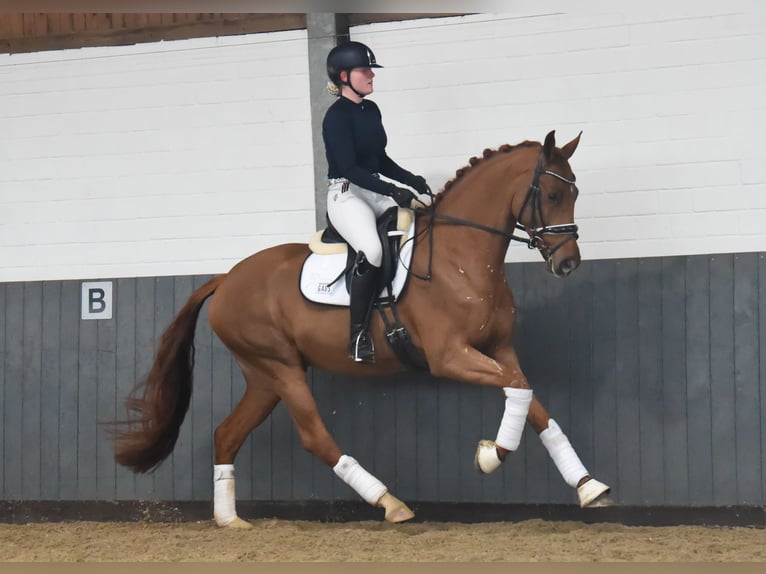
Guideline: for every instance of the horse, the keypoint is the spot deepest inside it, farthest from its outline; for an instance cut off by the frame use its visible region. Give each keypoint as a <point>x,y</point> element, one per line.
<point>458,310</point>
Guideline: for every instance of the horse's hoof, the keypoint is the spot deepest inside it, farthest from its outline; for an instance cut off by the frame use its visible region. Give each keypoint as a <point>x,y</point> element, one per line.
<point>402,514</point>
<point>236,522</point>
<point>602,501</point>
<point>396,510</point>
<point>486,459</point>
<point>593,494</point>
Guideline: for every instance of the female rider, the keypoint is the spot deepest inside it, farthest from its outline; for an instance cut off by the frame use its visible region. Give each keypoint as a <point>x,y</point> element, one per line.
<point>355,145</point>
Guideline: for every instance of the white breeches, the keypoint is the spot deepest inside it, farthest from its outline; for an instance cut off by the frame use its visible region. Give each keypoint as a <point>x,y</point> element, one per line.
<point>353,213</point>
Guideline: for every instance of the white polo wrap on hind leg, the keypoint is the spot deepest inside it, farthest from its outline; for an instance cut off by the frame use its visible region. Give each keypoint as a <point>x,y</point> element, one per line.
<point>563,454</point>
<point>224,505</point>
<point>366,485</point>
<point>514,418</point>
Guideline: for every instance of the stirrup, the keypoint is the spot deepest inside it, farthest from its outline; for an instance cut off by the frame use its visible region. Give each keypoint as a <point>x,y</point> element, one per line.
<point>361,349</point>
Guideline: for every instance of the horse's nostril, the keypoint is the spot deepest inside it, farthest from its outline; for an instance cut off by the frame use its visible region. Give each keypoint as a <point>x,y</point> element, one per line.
<point>569,265</point>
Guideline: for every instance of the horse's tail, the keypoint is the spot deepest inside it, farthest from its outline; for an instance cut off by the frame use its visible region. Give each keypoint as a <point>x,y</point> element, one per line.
<point>165,393</point>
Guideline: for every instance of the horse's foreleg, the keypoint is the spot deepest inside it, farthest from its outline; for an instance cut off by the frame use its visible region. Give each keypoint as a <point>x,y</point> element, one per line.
<point>590,491</point>
<point>256,404</point>
<point>317,440</point>
<point>462,362</point>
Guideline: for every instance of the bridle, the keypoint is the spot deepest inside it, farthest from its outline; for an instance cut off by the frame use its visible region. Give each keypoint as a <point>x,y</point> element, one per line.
<point>532,200</point>
<point>535,233</point>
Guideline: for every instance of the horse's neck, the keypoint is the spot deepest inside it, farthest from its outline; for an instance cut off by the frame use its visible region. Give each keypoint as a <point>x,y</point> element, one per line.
<point>485,201</point>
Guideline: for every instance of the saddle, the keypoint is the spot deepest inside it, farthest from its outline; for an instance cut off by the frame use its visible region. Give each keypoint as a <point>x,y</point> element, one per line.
<point>393,228</point>
<point>332,259</point>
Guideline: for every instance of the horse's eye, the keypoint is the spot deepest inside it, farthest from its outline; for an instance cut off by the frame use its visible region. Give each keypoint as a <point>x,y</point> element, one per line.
<point>554,197</point>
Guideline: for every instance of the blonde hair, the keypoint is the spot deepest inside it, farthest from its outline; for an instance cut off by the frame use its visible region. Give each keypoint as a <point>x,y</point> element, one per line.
<point>333,89</point>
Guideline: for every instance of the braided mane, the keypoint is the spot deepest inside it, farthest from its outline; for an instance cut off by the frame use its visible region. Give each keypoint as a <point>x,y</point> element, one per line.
<point>474,161</point>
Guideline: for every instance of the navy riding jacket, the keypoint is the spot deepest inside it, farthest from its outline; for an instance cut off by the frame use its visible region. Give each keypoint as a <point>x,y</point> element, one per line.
<point>355,145</point>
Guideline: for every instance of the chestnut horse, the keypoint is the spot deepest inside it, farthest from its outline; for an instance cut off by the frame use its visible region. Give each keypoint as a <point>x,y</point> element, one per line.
<point>457,307</point>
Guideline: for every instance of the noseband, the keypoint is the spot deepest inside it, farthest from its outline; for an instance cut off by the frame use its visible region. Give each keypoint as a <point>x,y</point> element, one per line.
<point>532,200</point>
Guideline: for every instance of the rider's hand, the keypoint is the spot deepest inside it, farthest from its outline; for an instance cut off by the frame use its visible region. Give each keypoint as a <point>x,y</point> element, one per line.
<point>420,185</point>
<point>403,197</point>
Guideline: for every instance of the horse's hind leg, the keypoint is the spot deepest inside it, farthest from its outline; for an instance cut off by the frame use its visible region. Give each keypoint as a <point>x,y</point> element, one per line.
<point>256,404</point>
<point>315,438</point>
<point>590,491</point>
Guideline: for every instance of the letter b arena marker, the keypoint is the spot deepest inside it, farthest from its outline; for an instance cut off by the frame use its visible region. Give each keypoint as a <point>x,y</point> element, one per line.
<point>96,300</point>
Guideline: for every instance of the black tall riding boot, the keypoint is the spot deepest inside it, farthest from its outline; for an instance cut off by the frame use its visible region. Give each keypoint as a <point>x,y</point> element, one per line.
<point>363,288</point>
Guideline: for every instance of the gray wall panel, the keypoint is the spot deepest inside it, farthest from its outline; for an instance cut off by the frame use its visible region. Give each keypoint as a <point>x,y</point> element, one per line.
<point>447,427</point>
<point>3,387</point>
<point>384,423</point>
<point>673,341</point>
<point>31,395</point>
<point>425,440</point>
<point>628,383</point>
<point>650,380</point>
<point>698,391</point>
<point>722,380</point>
<point>762,364</point>
<point>50,385</point>
<point>604,352</point>
<point>106,478</point>
<point>746,383</point>
<point>406,418</point>
<point>13,392</point>
<point>652,367</point>
<point>87,410</point>
<point>68,391</point>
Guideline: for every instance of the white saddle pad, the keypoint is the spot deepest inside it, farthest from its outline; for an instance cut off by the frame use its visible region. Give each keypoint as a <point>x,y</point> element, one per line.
<point>319,270</point>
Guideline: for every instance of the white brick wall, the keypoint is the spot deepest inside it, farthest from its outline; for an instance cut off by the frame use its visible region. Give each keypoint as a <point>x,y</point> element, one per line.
<point>669,96</point>
<point>156,159</point>
<point>184,157</point>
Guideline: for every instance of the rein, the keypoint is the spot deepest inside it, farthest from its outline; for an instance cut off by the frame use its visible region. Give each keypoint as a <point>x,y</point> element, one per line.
<point>535,239</point>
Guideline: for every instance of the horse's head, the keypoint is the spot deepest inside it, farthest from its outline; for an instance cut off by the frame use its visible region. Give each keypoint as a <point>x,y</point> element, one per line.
<point>546,212</point>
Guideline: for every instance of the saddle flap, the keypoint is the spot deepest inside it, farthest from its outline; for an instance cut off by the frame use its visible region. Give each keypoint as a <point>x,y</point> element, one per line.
<point>322,275</point>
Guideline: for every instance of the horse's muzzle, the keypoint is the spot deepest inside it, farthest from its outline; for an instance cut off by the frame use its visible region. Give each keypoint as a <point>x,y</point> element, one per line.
<point>567,266</point>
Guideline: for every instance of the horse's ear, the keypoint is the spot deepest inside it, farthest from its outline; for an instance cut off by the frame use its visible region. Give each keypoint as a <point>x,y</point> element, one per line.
<point>550,143</point>
<point>570,148</point>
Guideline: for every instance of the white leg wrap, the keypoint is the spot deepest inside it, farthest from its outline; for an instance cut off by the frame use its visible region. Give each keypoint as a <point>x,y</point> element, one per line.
<point>224,509</point>
<point>514,418</point>
<point>366,485</point>
<point>564,456</point>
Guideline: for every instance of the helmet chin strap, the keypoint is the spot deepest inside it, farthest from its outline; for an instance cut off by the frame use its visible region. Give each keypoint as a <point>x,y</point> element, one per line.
<point>348,83</point>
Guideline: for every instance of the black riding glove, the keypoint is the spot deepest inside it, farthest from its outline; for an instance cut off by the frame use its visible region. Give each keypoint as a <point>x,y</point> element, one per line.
<point>419,184</point>
<point>403,197</point>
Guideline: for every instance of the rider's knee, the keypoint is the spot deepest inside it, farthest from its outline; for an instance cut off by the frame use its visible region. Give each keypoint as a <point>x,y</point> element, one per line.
<point>374,255</point>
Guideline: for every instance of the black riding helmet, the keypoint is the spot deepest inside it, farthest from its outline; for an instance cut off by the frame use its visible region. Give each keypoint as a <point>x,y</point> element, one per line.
<point>347,56</point>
